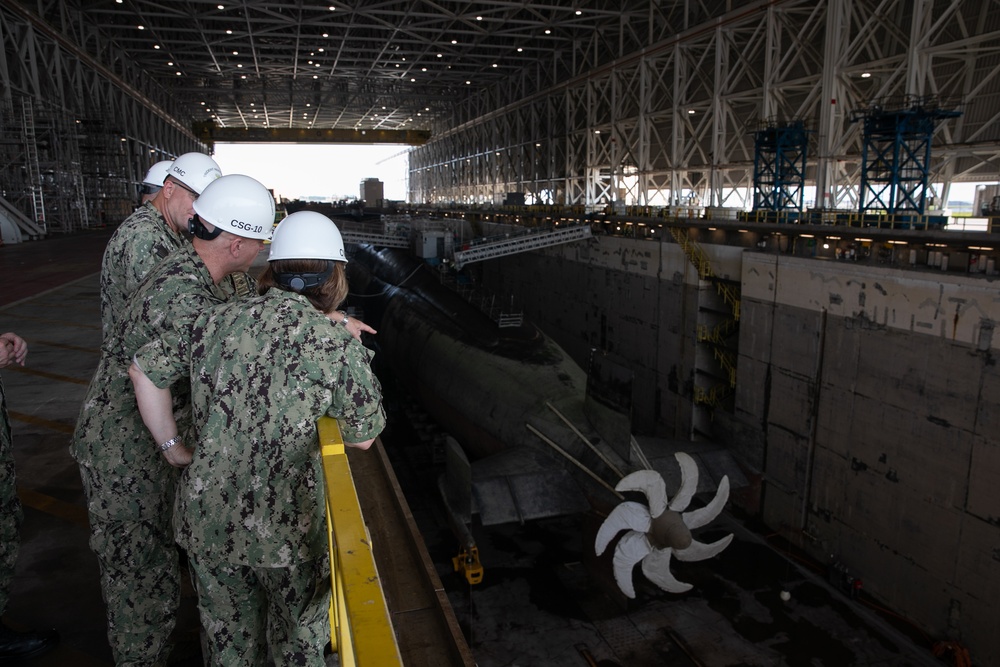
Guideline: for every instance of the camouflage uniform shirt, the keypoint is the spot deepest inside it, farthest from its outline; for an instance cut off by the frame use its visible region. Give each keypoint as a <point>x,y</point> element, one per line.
<point>110,434</point>
<point>262,372</point>
<point>10,507</point>
<point>139,244</point>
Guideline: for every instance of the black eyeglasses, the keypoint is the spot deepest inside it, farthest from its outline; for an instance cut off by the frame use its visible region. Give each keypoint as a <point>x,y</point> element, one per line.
<point>194,195</point>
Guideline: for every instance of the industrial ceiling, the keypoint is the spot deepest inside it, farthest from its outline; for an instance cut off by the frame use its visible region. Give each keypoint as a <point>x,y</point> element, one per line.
<point>585,101</point>
<point>388,65</point>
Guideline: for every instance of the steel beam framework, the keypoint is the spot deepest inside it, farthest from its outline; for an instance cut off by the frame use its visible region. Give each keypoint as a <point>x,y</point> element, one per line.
<point>92,130</point>
<point>672,123</point>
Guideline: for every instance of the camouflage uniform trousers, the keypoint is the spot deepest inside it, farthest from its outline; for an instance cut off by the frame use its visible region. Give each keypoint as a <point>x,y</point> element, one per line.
<point>258,616</point>
<point>140,572</point>
<point>11,513</point>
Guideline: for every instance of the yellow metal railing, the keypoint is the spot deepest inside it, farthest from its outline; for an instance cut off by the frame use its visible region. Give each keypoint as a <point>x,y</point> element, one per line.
<point>717,334</point>
<point>712,396</point>
<point>703,264</point>
<point>360,625</point>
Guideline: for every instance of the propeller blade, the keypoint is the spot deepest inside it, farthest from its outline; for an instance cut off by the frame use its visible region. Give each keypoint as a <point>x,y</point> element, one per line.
<point>656,567</point>
<point>649,482</point>
<point>689,482</point>
<point>700,517</point>
<point>630,550</point>
<point>701,551</point>
<point>633,516</point>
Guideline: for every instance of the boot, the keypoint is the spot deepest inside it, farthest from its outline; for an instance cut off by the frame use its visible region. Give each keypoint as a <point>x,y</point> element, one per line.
<point>28,644</point>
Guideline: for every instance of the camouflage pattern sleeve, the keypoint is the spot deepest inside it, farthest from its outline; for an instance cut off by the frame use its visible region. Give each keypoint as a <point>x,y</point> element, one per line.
<point>164,360</point>
<point>109,433</point>
<point>141,242</point>
<point>357,394</point>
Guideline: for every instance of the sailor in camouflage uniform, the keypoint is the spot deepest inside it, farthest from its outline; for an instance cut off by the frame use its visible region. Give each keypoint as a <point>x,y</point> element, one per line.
<point>151,233</point>
<point>130,487</point>
<point>13,645</point>
<point>250,507</point>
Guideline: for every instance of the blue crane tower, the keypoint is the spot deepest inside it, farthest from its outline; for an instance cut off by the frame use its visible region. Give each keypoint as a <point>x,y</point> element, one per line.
<point>779,167</point>
<point>897,152</point>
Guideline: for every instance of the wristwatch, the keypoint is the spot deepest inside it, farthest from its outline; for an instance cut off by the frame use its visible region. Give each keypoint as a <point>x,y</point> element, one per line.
<point>170,443</point>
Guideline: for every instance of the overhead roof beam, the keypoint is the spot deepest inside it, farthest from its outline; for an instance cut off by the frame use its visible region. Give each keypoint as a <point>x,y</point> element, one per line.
<point>292,135</point>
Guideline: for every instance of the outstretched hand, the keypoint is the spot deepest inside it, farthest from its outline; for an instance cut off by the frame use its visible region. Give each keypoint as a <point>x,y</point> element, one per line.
<point>354,326</point>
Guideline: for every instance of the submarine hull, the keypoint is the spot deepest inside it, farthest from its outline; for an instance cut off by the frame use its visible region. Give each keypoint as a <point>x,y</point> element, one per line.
<point>483,384</point>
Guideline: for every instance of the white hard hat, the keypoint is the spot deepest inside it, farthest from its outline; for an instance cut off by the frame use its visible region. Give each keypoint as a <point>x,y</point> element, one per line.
<point>195,170</point>
<point>237,204</point>
<point>307,235</point>
<point>157,173</point>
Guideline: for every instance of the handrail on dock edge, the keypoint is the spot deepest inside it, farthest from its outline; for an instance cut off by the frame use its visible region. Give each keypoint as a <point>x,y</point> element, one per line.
<point>360,625</point>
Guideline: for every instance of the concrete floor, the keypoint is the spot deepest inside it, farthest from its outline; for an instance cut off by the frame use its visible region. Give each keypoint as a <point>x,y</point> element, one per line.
<point>544,600</point>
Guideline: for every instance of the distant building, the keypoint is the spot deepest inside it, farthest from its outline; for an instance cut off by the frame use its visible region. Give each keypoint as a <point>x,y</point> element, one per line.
<point>372,191</point>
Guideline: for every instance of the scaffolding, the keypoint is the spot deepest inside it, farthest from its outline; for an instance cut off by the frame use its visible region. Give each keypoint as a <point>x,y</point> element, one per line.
<point>46,178</point>
<point>896,153</point>
<point>779,166</point>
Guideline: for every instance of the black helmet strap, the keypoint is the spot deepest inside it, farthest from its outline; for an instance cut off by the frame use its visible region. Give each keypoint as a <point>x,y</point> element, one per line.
<point>301,281</point>
<point>198,228</point>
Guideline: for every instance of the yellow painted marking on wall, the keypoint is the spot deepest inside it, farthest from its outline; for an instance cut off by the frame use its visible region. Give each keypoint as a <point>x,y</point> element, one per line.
<point>39,421</point>
<point>62,323</point>
<point>53,506</point>
<point>64,346</point>
<point>27,370</point>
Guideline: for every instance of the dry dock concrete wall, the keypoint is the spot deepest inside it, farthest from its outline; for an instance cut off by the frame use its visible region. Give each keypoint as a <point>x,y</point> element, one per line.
<point>867,403</point>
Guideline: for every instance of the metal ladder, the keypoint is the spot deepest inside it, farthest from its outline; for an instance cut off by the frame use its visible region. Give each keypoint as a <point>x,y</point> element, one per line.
<point>34,173</point>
